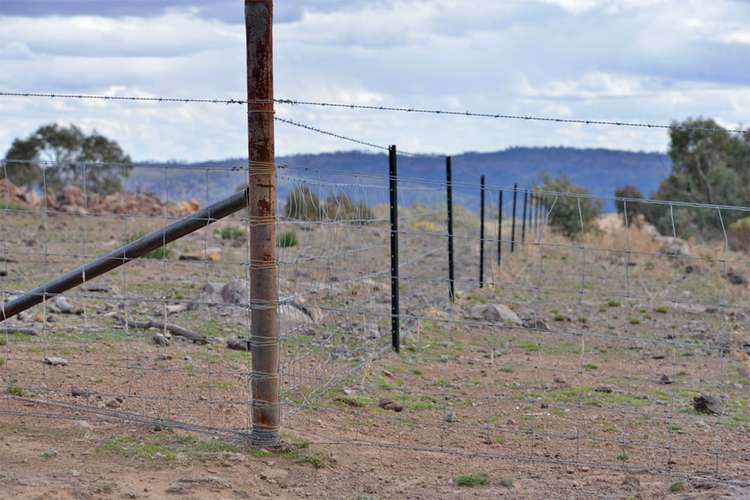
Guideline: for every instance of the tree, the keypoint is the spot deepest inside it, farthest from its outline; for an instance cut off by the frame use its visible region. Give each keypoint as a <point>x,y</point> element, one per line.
<point>571,210</point>
<point>709,165</point>
<point>634,209</point>
<point>55,156</point>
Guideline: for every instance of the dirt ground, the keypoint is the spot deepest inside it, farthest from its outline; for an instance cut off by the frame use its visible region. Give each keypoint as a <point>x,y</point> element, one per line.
<point>589,394</point>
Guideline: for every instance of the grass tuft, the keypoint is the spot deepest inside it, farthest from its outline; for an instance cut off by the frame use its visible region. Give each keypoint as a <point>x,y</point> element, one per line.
<point>287,239</point>
<point>678,487</point>
<point>231,233</point>
<point>472,480</point>
<point>14,390</point>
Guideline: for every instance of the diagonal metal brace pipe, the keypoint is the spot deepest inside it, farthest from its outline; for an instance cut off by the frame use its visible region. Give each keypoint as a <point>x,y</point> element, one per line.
<point>126,253</point>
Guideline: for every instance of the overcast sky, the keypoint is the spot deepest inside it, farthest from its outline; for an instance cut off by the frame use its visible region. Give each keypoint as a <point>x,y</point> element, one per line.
<point>633,60</point>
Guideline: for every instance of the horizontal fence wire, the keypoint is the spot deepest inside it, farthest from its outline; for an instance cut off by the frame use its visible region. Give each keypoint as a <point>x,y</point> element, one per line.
<point>400,109</point>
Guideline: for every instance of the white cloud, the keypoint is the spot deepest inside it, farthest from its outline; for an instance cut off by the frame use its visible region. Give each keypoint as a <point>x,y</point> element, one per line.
<point>630,60</point>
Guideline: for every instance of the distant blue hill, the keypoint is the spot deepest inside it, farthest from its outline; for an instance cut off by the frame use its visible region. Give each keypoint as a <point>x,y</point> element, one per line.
<point>601,171</point>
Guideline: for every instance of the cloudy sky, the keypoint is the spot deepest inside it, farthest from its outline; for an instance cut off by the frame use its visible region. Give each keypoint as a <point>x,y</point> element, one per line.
<point>634,60</point>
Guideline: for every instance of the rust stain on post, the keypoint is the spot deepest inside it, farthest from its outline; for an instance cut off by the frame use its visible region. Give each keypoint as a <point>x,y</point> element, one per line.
<point>266,410</point>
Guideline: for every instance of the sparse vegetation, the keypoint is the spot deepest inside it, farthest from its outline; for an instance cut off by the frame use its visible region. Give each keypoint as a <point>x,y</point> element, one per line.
<point>14,390</point>
<point>287,239</point>
<point>232,233</point>
<point>161,253</point>
<point>678,487</point>
<point>472,480</point>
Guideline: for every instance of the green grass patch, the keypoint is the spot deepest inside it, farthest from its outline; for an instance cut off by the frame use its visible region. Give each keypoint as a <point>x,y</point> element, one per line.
<point>161,253</point>
<point>166,447</point>
<point>590,367</point>
<point>232,233</point>
<point>613,303</point>
<point>287,239</point>
<point>530,346</point>
<point>588,395</point>
<point>634,321</point>
<point>14,390</point>
<point>678,487</point>
<point>661,310</point>
<point>472,480</point>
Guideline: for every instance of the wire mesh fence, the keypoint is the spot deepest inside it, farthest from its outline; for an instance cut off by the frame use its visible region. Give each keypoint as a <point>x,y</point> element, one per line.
<point>618,348</point>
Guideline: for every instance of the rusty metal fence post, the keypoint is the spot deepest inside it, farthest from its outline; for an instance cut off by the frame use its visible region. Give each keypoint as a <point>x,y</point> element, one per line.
<point>264,292</point>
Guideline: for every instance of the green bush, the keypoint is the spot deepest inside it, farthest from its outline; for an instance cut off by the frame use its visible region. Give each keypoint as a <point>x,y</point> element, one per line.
<point>564,214</point>
<point>161,253</point>
<point>231,233</point>
<point>287,239</point>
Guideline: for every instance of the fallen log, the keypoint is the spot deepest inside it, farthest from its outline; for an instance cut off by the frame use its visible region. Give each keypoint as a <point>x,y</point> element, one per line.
<point>175,330</point>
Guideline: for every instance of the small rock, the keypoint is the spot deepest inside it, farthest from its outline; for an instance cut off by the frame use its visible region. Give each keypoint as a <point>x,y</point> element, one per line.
<point>63,306</point>
<point>78,392</point>
<point>710,405</point>
<point>238,343</point>
<point>674,247</point>
<point>274,475</point>
<point>234,458</point>
<point>388,404</point>
<point>188,359</point>
<point>82,424</point>
<point>55,361</point>
<point>604,389</point>
<point>665,380</point>
<point>115,403</point>
<point>451,418</point>
<point>161,340</point>
<point>495,313</point>
<point>75,473</point>
<point>558,380</point>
